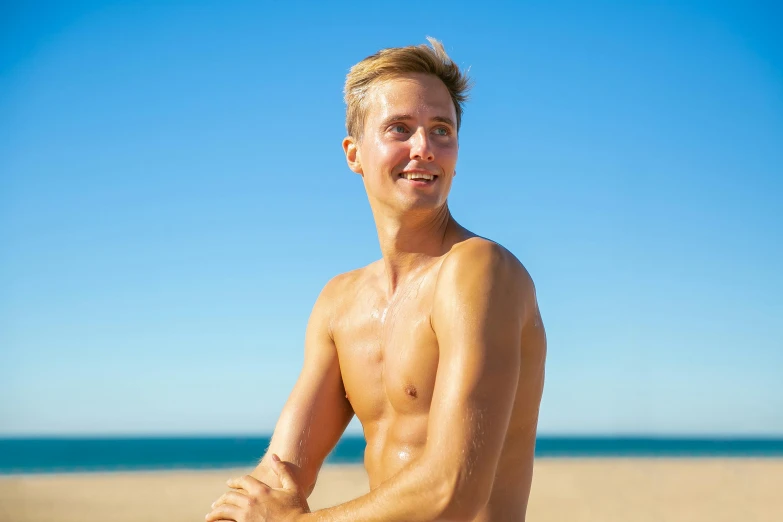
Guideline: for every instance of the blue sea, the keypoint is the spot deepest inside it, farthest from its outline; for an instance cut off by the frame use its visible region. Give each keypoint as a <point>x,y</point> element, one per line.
<point>69,455</point>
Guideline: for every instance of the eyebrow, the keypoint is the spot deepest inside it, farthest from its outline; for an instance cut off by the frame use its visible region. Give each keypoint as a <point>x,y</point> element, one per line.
<point>407,117</point>
<point>443,119</point>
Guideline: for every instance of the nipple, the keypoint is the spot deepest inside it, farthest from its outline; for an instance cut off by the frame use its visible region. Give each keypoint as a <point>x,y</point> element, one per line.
<point>411,390</point>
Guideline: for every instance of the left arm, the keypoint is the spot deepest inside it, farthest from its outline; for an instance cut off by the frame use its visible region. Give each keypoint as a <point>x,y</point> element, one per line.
<point>482,301</point>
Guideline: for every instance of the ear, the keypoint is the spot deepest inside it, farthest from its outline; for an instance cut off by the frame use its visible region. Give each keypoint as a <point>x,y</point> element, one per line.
<point>352,157</point>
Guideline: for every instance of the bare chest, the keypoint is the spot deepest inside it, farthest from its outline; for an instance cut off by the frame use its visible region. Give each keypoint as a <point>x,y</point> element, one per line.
<point>388,354</point>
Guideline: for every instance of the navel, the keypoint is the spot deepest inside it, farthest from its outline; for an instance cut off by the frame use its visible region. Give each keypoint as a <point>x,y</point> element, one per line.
<point>410,390</point>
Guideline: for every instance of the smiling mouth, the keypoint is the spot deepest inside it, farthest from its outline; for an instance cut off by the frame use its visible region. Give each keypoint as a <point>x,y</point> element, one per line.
<point>418,176</point>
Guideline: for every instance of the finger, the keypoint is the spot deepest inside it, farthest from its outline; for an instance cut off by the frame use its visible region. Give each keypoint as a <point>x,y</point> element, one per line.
<point>283,472</point>
<point>224,512</point>
<point>235,498</point>
<point>250,484</point>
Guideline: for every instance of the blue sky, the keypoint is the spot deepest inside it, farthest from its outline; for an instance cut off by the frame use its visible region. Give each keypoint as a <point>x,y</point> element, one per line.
<point>173,196</point>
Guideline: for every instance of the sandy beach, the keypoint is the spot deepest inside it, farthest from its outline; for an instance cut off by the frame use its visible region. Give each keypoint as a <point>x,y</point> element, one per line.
<point>573,490</point>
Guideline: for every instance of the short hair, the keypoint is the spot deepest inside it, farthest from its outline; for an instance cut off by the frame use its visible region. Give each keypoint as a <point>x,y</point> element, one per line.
<point>393,63</point>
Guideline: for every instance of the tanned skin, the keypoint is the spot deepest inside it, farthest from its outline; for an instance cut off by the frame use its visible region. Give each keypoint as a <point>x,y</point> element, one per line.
<point>438,348</point>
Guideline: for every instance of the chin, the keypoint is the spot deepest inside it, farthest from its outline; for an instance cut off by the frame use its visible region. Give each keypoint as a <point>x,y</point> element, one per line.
<point>420,204</point>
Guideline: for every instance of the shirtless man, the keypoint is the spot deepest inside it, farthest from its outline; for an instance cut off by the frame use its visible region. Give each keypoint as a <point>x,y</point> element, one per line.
<point>438,347</point>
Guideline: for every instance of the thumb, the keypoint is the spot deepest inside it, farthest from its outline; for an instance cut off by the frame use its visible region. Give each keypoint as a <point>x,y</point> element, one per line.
<point>284,474</point>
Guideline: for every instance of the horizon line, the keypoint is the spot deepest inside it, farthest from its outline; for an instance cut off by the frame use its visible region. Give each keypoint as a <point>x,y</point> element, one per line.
<point>197,435</point>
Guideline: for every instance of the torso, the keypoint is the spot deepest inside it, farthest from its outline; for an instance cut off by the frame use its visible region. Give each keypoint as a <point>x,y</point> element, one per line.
<point>388,355</point>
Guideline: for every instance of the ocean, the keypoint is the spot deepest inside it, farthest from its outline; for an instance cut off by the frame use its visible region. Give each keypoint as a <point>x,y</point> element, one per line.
<point>71,455</point>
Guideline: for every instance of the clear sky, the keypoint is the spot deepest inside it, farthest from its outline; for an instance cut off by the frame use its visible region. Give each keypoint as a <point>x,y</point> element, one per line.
<point>173,196</point>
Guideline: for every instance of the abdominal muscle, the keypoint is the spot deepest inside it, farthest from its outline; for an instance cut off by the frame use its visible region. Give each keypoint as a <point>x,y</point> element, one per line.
<point>393,443</point>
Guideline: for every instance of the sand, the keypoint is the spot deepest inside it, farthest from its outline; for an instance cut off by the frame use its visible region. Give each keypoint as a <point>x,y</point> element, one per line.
<point>573,490</point>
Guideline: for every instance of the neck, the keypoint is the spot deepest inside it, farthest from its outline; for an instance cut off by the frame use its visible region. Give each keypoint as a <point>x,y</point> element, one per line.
<point>412,242</point>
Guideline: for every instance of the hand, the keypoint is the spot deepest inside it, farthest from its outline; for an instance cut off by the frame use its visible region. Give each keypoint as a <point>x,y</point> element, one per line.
<point>250,500</point>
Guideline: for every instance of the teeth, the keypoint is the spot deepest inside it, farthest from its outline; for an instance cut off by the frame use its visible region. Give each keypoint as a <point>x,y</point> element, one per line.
<point>416,175</point>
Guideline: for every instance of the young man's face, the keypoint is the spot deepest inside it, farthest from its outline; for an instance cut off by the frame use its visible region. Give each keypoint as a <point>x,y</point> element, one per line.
<point>410,135</point>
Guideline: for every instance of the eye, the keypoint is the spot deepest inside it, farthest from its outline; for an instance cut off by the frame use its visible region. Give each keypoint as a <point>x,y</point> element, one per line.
<point>441,131</point>
<point>398,127</point>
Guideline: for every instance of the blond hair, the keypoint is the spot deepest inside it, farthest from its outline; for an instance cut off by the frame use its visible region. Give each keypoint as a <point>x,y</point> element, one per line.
<point>395,62</point>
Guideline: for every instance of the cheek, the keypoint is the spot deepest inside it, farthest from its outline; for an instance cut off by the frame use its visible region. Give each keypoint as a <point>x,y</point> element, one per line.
<point>448,157</point>
<point>386,155</point>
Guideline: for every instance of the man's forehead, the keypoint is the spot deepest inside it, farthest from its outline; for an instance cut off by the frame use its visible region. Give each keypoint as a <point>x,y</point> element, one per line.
<point>410,94</point>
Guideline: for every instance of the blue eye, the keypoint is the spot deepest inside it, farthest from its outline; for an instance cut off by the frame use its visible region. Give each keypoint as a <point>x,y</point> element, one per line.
<point>442,131</point>
<point>398,128</point>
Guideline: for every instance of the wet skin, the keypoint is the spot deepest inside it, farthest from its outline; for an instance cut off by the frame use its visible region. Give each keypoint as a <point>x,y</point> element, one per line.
<point>438,348</point>
<point>389,355</point>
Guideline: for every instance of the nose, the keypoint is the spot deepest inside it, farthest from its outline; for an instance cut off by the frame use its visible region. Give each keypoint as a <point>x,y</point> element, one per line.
<point>421,148</point>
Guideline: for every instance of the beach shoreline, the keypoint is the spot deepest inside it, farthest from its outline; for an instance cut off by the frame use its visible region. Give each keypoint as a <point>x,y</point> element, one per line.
<point>574,489</point>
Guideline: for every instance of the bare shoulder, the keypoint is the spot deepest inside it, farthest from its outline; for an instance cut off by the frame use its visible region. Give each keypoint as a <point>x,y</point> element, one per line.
<point>342,284</point>
<point>482,280</point>
<point>488,261</point>
<point>341,289</point>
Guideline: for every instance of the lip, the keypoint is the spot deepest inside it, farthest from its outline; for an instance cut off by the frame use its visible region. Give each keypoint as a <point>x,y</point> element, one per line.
<point>418,171</point>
